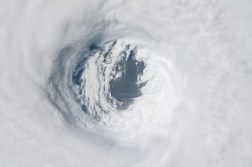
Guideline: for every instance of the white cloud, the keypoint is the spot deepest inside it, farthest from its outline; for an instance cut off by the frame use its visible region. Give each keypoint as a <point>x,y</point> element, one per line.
<point>208,42</point>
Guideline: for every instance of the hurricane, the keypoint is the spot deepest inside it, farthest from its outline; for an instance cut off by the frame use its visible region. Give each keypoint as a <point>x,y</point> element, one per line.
<point>125,83</point>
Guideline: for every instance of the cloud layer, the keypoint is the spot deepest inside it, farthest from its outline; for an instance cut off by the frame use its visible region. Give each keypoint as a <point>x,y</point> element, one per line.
<point>194,112</point>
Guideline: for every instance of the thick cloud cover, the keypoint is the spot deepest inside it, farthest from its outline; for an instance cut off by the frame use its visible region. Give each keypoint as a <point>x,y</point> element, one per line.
<point>195,109</point>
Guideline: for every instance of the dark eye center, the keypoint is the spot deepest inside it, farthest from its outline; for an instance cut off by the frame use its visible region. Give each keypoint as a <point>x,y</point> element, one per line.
<point>126,87</point>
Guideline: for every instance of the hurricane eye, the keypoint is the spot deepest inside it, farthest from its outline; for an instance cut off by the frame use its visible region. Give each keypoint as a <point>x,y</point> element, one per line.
<point>117,75</point>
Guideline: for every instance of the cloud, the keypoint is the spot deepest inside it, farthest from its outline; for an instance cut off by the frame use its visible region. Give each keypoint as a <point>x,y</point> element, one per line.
<point>198,61</point>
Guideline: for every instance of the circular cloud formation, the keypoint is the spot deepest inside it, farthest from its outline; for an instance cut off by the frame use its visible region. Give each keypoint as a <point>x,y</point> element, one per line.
<point>118,89</point>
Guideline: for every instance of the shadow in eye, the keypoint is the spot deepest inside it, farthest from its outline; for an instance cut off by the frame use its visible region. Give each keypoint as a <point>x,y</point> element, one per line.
<point>125,88</point>
<point>79,69</point>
